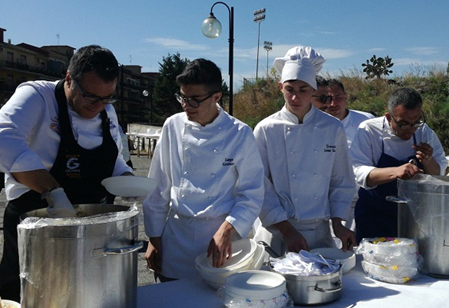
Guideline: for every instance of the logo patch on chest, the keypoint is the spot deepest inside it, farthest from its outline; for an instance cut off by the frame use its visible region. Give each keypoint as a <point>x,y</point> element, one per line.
<point>228,162</point>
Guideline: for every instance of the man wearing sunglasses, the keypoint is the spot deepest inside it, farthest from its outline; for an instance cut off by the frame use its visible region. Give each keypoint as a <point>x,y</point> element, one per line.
<point>338,107</point>
<point>320,96</point>
<point>210,179</point>
<point>395,146</point>
<point>58,141</point>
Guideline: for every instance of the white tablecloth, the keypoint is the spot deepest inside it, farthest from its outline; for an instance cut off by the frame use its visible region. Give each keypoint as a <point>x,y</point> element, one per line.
<point>358,291</point>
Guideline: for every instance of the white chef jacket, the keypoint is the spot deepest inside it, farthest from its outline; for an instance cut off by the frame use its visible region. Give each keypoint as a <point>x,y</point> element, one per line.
<point>205,172</point>
<point>307,166</point>
<point>29,133</point>
<point>206,175</point>
<point>352,121</point>
<point>366,147</point>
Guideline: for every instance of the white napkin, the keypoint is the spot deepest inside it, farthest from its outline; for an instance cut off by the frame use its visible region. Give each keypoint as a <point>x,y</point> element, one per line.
<point>304,263</point>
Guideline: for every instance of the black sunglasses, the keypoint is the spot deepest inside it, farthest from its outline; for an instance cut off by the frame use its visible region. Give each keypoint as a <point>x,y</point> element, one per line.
<point>324,99</point>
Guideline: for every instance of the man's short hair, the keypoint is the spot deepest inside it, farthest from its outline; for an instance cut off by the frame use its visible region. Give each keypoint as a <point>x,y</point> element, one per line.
<point>321,81</point>
<point>406,97</point>
<point>94,58</point>
<point>336,82</point>
<point>201,72</point>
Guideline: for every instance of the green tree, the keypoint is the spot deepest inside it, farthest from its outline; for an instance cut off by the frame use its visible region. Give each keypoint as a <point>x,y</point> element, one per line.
<point>164,101</point>
<point>378,67</point>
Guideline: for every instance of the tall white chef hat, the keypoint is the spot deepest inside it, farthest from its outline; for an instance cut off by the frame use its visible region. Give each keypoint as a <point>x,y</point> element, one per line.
<point>300,63</point>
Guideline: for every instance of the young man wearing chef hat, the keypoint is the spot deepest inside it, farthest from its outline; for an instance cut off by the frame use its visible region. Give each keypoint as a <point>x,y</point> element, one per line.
<point>210,179</point>
<point>309,178</point>
<point>58,141</point>
<point>395,146</point>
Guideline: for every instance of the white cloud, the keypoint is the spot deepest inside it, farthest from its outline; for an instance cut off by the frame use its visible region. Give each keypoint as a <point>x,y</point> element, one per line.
<point>175,44</point>
<point>425,51</point>
<point>329,53</point>
<point>378,49</point>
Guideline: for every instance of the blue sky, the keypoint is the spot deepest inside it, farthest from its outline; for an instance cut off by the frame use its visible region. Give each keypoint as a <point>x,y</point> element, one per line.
<point>415,34</point>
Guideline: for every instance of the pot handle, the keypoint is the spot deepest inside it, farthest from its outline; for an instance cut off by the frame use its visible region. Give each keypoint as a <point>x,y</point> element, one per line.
<point>337,283</point>
<point>102,252</point>
<point>396,199</point>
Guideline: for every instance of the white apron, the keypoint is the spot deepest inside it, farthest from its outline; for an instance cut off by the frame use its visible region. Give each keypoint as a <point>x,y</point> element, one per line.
<point>185,238</point>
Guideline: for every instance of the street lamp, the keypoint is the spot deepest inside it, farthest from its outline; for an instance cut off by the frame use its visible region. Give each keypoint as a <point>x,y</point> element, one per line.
<point>267,46</point>
<point>259,16</point>
<point>211,28</point>
<point>146,93</point>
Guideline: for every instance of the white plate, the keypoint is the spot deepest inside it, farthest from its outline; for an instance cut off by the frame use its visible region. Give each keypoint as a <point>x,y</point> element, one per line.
<point>129,186</point>
<point>242,253</point>
<point>10,303</point>
<point>346,259</point>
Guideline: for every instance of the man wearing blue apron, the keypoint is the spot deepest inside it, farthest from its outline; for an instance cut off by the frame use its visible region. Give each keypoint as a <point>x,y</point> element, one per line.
<point>395,146</point>
<point>69,143</point>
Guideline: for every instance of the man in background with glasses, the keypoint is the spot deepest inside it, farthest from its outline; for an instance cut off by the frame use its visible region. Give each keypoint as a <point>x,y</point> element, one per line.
<point>58,141</point>
<point>320,96</point>
<point>395,146</point>
<point>210,179</point>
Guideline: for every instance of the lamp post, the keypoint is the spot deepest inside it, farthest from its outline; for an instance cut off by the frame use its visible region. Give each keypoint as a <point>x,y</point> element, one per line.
<point>267,46</point>
<point>146,93</point>
<point>259,16</point>
<point>211,28</point>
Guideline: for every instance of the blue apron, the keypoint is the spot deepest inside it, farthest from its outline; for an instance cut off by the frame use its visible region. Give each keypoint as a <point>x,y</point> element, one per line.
<point>375,216</point>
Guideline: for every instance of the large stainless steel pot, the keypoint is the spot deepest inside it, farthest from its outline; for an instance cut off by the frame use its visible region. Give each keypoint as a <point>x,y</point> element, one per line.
<point>423,213</point>
<point>87,261</point>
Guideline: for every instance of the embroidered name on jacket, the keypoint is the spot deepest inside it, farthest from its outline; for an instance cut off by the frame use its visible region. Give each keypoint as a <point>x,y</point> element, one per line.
<point>330,148</point>
<point>228,162</point>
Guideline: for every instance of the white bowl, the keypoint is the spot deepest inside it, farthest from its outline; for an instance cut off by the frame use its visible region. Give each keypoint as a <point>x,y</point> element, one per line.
<point>346,259</point>
<point>10,304</point>
<point>242,257</point>
<point>258,258</point>
<point>129,186</point>
<point>255,285</point>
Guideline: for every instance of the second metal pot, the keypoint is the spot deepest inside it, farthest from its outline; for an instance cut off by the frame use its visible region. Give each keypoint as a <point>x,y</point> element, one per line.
<point>313,290</point>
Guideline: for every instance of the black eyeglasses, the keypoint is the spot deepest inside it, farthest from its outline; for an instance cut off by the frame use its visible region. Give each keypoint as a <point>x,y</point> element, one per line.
<point>93,99</point>
<point>191,101</point>
<point>324,99</point>
<point>417,124</point>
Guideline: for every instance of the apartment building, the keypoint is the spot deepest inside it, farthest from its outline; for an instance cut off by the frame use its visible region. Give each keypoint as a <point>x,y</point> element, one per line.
<point>24,62</point>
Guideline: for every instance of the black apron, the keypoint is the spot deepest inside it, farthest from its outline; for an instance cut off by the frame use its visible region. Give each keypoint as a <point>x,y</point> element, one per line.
<point>79,171</point>
<point>374,215</point>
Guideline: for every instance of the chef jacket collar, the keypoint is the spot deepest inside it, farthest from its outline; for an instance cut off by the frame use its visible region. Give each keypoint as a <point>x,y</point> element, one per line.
<point>294,119</point>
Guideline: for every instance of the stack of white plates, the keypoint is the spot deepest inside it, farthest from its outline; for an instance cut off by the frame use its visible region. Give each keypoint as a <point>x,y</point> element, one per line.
<point>393,260</point>
<point>246,255</point>
<point>255,288</point>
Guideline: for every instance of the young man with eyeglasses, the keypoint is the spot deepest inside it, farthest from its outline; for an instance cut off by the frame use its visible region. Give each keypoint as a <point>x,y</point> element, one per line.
<point>58,141</point>
<point>210,179</point>
<point>395,146</point>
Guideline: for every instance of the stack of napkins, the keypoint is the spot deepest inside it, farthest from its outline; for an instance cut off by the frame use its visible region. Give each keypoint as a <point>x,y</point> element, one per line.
<point>304,263</point>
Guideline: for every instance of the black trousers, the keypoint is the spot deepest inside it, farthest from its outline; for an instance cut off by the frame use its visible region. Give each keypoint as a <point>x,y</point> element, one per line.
<point>9,266</point>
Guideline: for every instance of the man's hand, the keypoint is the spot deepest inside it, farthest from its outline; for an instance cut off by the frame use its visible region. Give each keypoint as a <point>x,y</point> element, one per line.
<point>407,171</point>
<point>153,254</point>
<point>294,241</point>
<point>424,153</point>
<point>346,236</point>
<point>220,246</point>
